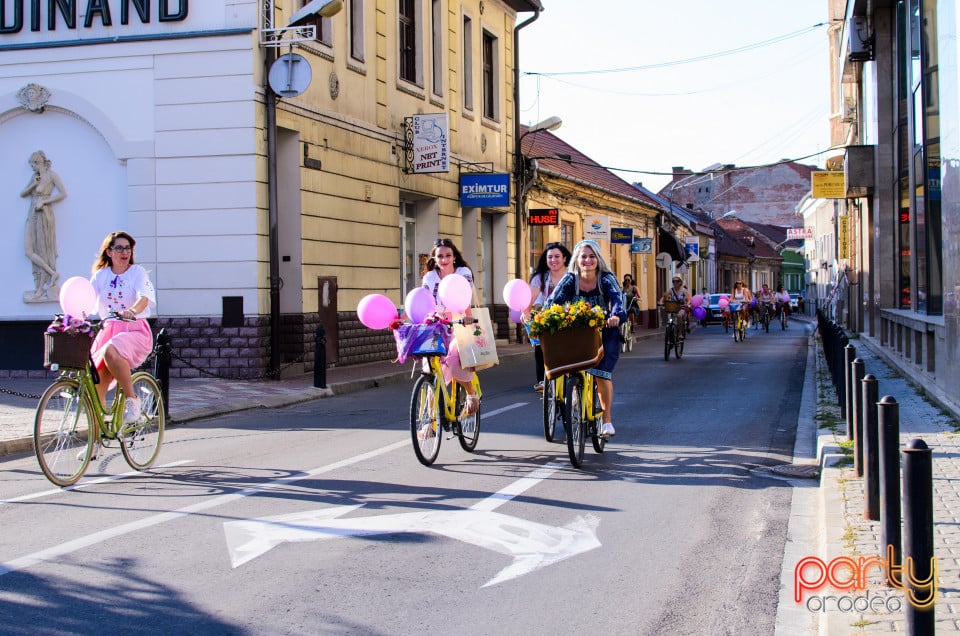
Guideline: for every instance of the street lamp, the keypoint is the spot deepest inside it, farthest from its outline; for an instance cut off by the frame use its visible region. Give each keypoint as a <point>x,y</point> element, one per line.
<point>520,173</point>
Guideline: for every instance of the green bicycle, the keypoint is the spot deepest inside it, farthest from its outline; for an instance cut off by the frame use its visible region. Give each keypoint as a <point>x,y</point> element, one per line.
<point>70,421</point>
<point>434,409</point>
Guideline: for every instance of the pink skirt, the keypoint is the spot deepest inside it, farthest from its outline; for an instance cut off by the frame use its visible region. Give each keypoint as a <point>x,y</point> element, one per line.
<point>132,340</point>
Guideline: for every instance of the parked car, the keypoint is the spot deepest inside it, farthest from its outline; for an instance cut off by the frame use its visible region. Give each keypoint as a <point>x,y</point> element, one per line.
<point>794,302</point>
<point>715,313</point>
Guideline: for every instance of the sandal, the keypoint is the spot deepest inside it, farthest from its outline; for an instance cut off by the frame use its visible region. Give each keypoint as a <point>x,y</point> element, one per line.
<point>470,406</point>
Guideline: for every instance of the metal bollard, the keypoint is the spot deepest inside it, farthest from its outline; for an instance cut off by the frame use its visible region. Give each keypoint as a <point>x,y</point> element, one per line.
<point>871,448</point>
<point>856,404</point>
<point>849,355</point>
<point>920,567</point>
<point>161,368</point>
<point>888,418</point>
<point>320,358</point>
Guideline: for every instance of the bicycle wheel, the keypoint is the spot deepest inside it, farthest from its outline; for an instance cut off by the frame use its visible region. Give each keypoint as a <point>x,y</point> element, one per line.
<point>668,339</point>
<point>598,442</point>
<point>678,348</point>
<point>468,428</point>
<point>574,421</point>
<point>742,328</point>
<point>551,409</point>
<point>766,322</point>
<point>630,335</point>
<point>783,320</point>
<point>63,434</point>
<point>141,440</point>
<point>425,426</point>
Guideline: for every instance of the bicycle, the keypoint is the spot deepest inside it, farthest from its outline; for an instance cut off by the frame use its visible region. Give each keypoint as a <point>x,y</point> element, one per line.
<point>627,330</point>
<point>70,419</point>
<point>435,405</point>
<point>581,418</point>
<point>740,323</point>
<point>727,321</point>
<point>765,312</point>
<point>673,336</point>
<point>784,316</point>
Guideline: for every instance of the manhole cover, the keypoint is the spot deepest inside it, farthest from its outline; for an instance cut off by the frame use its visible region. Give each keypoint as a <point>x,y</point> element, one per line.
<point>804,471</point>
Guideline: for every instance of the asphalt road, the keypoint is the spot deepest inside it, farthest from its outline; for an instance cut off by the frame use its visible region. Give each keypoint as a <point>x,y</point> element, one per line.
<point>318,519</point>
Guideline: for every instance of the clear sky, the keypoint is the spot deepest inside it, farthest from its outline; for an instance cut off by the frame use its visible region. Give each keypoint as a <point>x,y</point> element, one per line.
<point>742,82</point>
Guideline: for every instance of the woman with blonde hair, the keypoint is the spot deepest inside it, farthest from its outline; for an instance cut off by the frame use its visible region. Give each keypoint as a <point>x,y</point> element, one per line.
<point>589,278</point>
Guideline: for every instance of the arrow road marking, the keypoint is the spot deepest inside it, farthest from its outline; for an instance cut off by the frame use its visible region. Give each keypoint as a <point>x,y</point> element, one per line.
<point>532,545</point>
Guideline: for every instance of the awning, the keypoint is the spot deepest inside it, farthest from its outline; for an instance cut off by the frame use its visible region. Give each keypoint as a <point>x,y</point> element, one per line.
<point>670,244</point>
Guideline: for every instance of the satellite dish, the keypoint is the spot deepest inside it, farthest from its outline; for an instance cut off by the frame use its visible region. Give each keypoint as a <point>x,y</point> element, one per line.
<point>664,260</point>
<point>290,75</point>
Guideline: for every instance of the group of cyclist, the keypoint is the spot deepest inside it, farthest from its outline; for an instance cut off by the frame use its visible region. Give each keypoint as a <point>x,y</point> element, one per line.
<point>767,302</point>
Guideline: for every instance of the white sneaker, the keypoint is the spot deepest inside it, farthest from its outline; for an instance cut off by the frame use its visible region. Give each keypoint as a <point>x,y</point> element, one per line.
<point>131,410</point>
<point>93,453</point>
<point>607,430</point>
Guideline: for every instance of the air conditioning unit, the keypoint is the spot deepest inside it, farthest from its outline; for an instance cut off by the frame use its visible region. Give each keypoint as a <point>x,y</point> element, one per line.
<point>859,42</point>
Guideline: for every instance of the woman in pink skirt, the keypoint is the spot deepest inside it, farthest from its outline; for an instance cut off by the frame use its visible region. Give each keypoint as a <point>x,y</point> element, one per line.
<point>125,289</point>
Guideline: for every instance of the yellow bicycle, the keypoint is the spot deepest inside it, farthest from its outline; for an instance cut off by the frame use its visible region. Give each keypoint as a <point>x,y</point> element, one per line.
<point>70,420</point>
<point>434,409</point>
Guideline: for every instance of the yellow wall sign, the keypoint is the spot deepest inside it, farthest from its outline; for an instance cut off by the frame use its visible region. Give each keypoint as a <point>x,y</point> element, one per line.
<point>827,185</point>
<point>843,230</point>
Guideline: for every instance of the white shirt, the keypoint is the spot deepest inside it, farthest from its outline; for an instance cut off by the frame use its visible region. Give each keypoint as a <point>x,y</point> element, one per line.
<point>118,292</point>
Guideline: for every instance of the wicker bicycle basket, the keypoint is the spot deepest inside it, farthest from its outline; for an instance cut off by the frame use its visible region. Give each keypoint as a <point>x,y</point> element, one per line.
<point>67,350</point>
<point>570,350</point>
<point>671,306</point>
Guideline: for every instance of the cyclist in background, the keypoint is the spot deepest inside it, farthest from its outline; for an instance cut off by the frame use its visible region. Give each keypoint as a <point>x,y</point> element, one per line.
<point>551,268</point>
<point>678,293</point>
<point>766,298</point>
<point>743,296</point>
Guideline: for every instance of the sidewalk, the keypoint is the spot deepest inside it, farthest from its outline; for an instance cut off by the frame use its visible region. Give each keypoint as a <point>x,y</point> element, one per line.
<point>837,527</point>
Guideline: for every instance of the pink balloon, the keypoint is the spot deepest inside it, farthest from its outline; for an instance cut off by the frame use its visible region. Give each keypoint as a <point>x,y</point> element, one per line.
<point>785,297</point>
<point>515,316</point>
<point>699,313</point>
<point>78,297</point>
<point>418,303</point>
<point>376,311</point>
<point>723,302</point>
<point>696,301</point>
<point>517,294</point>
<point>455,292</point>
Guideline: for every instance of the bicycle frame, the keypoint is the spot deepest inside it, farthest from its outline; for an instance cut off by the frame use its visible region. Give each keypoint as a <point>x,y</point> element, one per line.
<point>445,396</point>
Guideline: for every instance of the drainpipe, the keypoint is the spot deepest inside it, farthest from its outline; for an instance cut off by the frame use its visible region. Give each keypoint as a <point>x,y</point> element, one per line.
<point>273,214</point>
<point>518,155</point>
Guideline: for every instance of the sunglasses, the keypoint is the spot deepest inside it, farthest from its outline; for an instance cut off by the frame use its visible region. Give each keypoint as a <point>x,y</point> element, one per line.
<point>443,242</point>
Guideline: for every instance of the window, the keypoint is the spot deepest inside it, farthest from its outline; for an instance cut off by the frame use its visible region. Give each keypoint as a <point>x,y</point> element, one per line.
<point>490,62</point>
<point>356,30</point>
<point>566,235</point>
<point>436,24</point>
<point>409,259</point>
<point>407,30</point>
<point>467,63</point>
<point>324,27</point>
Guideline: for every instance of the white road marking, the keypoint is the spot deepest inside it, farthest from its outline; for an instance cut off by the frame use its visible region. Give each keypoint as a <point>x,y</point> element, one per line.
<point>532,545</point>
<point>118,531</point>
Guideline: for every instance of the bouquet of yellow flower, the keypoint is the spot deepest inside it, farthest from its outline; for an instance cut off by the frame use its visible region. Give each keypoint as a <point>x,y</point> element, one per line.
<point>556,318</point>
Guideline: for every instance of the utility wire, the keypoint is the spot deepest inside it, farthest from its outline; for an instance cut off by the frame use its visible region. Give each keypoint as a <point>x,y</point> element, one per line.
<point>689,60</point>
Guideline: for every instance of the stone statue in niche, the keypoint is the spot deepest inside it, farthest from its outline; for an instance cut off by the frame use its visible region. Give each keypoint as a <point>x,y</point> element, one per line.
<point>40,240</point>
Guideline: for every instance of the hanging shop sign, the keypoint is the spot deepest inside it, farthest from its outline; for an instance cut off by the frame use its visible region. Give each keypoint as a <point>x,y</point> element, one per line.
<point>544,216</point>
<point>641,245</point>
<point>828,184</point>
<point>799,233</point>
<point>621,235</point>
<point>431,143</point>
<point>596,228</point>
<point>484,189</point>
<point>693,245</point>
